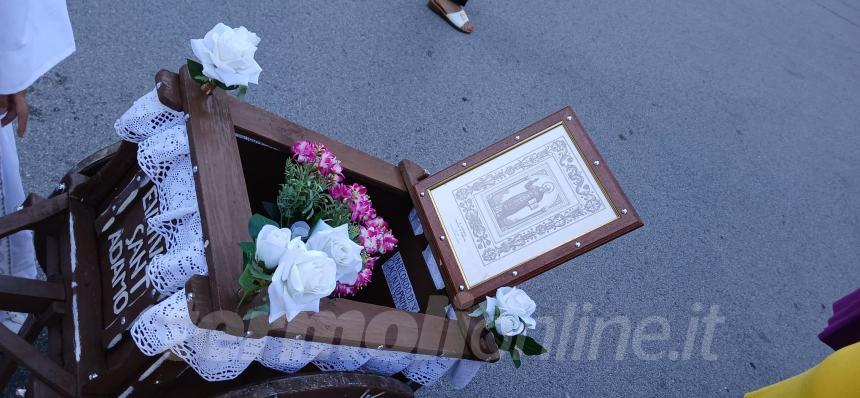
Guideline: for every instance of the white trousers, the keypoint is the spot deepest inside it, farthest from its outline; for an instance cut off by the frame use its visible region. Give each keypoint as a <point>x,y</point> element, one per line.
<point>17,254</point>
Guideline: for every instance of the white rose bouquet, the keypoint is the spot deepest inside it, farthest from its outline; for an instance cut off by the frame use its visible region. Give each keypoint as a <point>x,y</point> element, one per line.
<point>509,316</point>
<point>321,239</point>
<point>226,59</point>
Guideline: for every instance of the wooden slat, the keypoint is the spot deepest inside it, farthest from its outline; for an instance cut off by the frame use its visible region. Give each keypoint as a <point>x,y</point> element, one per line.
<point>28,295</point>
<point>169,92</point>
<point>122,199</point>
<point>81,332</point>
<point>220,183</point>
<point>340,321</point>
<point>29,332</point>
<point>43,368</point>
<point>95,162</point>
<point>281,133</point>
<point>108,177</point>
<point>31,216</point>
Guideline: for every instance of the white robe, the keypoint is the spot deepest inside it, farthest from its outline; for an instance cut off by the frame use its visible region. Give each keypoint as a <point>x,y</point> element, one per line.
<point>34,36</point>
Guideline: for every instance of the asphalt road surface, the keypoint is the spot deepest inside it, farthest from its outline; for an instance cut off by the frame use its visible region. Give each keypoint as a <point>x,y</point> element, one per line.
<point>731,125</point>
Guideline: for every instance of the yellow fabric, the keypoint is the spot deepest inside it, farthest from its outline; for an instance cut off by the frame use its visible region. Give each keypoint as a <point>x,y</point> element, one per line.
<point>837,376</point>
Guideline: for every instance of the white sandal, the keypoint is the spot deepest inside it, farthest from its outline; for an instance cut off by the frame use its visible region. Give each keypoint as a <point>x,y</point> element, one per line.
<point>456,19</point>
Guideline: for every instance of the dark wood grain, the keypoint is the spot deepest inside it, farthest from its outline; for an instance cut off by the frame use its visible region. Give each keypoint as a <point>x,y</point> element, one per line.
<point>107,179</point>
<point>169,91</point>
<point>46,370</point>
<point>220,183</point>
<point>627,219</point>
<point>281,133</point>
<point>340,321</point>
<point>28,295</point>
<point>29,217</point>
<point>29,332</point>
<point>82,345</point>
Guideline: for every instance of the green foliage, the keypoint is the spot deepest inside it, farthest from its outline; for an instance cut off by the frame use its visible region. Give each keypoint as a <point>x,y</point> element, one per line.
<point>256,224</point>
<point>253,278</point>
<point>195,69</point>
<point>334,212</point>
<point>302,193</point>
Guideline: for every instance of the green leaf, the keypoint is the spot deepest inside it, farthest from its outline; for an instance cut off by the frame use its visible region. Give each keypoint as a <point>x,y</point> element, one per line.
<point>257,312</point>
<point>259,273</point>
<point>195,69</point>
<point>247,281</point>
<point>515,356</point>
<point>354,231</point>
<point>248,249</point>
<point>532,347</point>
<point>242,91</point>
<point>257,223</point>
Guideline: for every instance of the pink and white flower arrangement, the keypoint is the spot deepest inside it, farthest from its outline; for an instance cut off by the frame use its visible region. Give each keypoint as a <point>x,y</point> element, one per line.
<point>317,214</point>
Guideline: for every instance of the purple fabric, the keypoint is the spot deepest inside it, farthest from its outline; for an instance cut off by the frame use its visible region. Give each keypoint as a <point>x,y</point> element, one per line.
<point>843,328</point>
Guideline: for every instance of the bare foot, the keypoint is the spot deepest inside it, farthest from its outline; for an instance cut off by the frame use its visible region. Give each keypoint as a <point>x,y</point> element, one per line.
<point>444,7</point>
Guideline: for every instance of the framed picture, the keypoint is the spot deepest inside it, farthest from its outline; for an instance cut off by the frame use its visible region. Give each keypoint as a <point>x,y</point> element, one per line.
<point>520,207</point>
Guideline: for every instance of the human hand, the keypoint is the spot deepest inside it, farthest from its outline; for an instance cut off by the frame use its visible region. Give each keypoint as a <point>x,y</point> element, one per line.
<point>15,106</point>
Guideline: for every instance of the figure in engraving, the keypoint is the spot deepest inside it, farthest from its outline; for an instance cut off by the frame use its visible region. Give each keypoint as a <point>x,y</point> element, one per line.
<point>511,209</point>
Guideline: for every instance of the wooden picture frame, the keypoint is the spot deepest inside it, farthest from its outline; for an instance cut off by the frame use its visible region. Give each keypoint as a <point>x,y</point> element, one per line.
<point>462,285</point>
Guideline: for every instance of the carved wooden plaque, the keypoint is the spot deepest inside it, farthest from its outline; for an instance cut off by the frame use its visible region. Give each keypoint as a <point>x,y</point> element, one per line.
<point>126,244</point>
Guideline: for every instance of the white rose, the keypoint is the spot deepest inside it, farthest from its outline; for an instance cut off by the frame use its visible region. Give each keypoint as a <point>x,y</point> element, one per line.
<point>336,243</point>
<point>514,301</point>
<point>302,278</point>
<point>271,245</point>
<point>508,324</point>
<point>227,55</point>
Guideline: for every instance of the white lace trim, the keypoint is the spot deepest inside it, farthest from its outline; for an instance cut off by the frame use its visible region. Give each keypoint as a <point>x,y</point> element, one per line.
<point>164,156</point>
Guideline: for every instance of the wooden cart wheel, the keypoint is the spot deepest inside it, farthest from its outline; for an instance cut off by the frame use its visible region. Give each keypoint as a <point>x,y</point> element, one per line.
<point>330,384</point>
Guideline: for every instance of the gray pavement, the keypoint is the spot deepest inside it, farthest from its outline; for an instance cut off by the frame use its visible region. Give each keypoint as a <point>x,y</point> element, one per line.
<point>731,125</point>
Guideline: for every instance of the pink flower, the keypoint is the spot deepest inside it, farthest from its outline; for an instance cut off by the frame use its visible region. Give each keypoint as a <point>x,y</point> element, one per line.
<point>376,222</point>
<point>370,263</point>
<point>362,210</point>
<point>340,192</point>
<point>364,277</point>
<point>325,162</point>
<point>368,238</point>
<point>343,290</point>
<point>303,152</point>
<point>377,240</point>
<point>388,241</point>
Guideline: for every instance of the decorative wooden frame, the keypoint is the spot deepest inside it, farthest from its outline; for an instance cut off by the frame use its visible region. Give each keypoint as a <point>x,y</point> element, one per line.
<point>212,127</point>
<point>465,296</point>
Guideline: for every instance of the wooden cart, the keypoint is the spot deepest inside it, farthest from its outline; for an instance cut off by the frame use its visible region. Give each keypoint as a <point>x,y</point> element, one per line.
<point>94,290</point>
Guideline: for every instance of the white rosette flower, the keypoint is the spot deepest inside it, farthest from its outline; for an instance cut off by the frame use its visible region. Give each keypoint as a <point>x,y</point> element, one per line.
<point>227,55</point>
<point>508,324</point>
<point>302,278</point>
<point>271,245</point>
<point>336,243</point>
<point>514,301</point>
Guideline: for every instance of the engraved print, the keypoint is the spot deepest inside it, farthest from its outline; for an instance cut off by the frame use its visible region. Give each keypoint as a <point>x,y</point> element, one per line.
<point>526,199</point>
